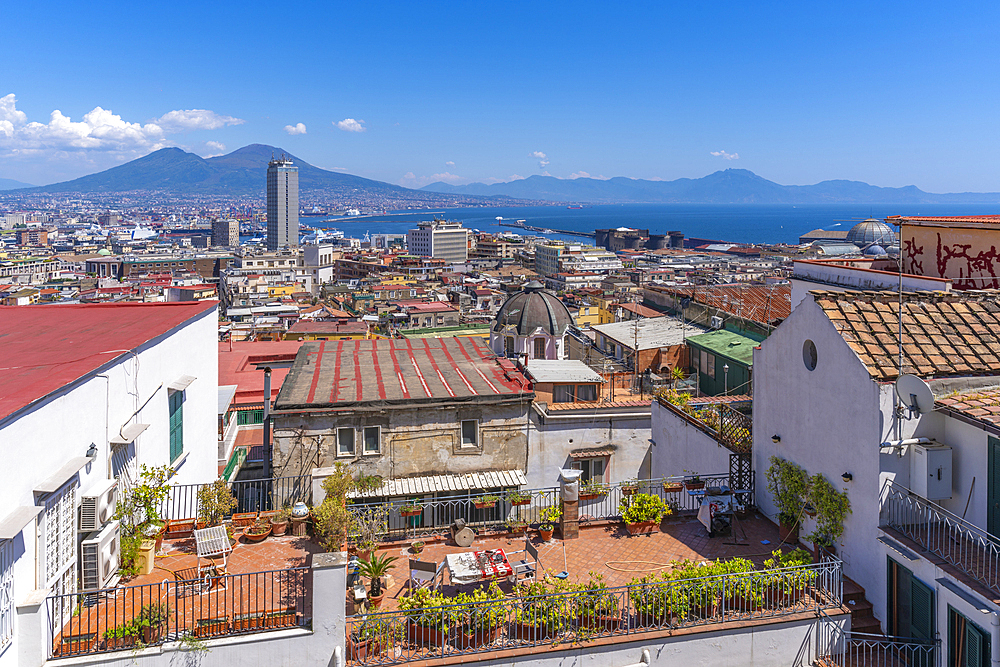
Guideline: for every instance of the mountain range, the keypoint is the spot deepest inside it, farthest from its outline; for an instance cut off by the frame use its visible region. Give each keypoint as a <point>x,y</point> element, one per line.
<point>732,186</point>
<point>11,184</point>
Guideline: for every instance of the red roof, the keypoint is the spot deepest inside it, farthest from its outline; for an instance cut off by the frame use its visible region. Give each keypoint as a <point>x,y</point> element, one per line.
<point>48,347</point>
<point>244,364</point>
<point>917,219</point>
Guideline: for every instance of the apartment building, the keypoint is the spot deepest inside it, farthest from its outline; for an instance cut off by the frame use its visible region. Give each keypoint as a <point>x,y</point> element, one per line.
<point>448,241</point>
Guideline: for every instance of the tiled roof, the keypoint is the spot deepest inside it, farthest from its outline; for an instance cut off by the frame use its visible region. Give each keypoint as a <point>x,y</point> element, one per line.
<point>944,334</point>
<point>758,303</point>
<point>918,219</point>
<point>636,403</point>
<point>982,405</point>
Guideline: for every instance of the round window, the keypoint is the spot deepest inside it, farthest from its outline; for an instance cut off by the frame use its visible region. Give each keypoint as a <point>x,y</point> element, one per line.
<point>809,354</point>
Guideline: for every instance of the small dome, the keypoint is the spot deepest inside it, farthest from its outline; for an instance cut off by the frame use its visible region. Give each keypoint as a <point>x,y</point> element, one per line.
<point>531,308</point>
<point>871,231</point>
<point>104,252</point>
<point>875,249</point>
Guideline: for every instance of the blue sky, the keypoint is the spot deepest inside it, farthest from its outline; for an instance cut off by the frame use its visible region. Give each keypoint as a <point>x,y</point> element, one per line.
<point>889,93</point>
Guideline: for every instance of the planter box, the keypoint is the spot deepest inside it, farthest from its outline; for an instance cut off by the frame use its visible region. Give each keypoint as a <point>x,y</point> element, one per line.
<point>517,530</point>
<point>117,643</point>
<point>775,597</point>
<point>655,619</point>
<point>482,506</point>
<point>516,503</point>
<point>363,649</point>
<point>267,514</point>
<point>629,490</point>
<point>254,538</point>
<point>477,638</point>
<point>599,621</point>
<point>411,512</point>
<point>591,496</point>
<point>151,634</point>
<point>532,633</point>
<point>283,618</point>
<point>75,644</point>
<point>419,634</point>
<point>248,622</point>
<point>673,488</point>
<point>704,611</point>
<point>642,527</point>
<point>211,627</point>
<point>693,486</point>
<point>244,519</point>
<point>180,528</point>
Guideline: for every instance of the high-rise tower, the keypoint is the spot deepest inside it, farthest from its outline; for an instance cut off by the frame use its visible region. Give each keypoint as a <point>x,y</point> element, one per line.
<point>282,204</point>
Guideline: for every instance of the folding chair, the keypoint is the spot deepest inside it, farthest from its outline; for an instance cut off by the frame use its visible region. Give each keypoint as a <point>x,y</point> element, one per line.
<point>524,569</point>
<point>425,574</point>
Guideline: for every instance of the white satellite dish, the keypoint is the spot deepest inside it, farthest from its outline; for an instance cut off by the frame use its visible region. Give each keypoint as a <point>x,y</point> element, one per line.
<point>915,394</point>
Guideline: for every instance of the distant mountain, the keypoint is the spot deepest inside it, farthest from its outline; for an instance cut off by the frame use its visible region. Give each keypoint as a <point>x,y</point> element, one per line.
<point>242,172</point>
<point>11,184</point>
<point>732,186</point>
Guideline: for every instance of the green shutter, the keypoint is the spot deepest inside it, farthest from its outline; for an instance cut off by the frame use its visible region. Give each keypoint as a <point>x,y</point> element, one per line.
<point>977,646</point>
<point>921,610</point>
<point>176,404</point>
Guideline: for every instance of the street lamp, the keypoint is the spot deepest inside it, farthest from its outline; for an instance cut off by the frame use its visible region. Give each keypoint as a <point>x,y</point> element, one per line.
<point>725,375</point>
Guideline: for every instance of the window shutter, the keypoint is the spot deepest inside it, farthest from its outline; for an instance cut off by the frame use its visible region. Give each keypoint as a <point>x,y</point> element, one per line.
<point>921,610</point>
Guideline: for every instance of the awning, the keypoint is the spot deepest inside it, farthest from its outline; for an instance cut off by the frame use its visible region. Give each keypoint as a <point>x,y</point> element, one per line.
<point>60,477</point>
<point>590,453</point>
<point>226,394</point>
<point>14,522</point>
<point>451,484</point>
<point>129,434</point>
<point>181,383</point>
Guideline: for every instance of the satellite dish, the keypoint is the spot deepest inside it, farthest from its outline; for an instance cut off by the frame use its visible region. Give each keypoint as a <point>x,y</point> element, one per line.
<point>915,394</point>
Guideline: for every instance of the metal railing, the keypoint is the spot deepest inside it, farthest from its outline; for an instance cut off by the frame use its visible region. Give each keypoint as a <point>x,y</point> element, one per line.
<point>729,426</point>
<point>202,607</point>
<point>604,502</point>
<point>836,648</point>
<point>581,614</point>
<point>252,495</point>
<point>964,545</point>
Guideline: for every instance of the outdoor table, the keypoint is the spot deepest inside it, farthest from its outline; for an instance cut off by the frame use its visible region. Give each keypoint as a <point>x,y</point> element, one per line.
<point>471,567</point>
<point>713,506</point>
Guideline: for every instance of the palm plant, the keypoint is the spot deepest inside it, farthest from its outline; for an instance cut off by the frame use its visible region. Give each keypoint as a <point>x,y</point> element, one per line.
<point>376,567</point>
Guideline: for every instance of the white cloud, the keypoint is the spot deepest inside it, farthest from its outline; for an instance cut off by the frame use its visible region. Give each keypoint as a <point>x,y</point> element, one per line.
<point>449,163</point>
<point>298,128</point>
<point>214,148</point>
<point>194,119</point>
<point>351,125</point>
<point>543,159</point>
<point>726,156</point>
<point>578,174</point>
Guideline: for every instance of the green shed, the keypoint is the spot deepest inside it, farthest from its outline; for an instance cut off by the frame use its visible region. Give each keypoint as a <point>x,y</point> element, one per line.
<point>723,360</point>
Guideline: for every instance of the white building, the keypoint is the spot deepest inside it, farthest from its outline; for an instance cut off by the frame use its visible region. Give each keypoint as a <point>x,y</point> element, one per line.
<point>282,204</point>
<point>88,393</point>
<point>441,240</point>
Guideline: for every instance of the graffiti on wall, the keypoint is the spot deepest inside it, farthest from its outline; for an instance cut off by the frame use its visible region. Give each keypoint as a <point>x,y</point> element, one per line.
<point>968,266</point>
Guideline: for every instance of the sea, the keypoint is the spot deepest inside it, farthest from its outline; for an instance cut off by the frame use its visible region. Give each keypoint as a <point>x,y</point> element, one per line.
<point>736,223</point>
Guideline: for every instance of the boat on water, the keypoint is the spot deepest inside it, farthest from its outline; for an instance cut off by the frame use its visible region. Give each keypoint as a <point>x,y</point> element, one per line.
<point>574,207</point>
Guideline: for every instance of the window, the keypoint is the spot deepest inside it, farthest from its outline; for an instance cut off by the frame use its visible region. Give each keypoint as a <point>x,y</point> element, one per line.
<point>373,439</point>
<point>968,644</point>
<point>809,355</point>
<point>593,469</point>
<point>695,359</point>
<point>508,345</point>
<point>707,364</point>
<point>345,442</point>
<point>586,392</point>
<point>470,433</point>
<point>539,348</point>
<point>563,393</point>
<point>175,401</point>
<point>910,604</point>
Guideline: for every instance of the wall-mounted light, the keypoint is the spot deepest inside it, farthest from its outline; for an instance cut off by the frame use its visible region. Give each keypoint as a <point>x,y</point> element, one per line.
<point>775,438</point>
<point>847,477</point>
<point>92,452</point>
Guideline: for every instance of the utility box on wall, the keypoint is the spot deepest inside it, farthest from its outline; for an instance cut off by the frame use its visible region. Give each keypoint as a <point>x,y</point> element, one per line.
<point>930,471</point>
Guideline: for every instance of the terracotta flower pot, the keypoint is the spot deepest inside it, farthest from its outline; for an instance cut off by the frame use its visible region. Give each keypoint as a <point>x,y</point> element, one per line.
<point>282,618</point>
<point>363,649</point>
<point>530,632</point>
<point>520,502</point>
<point>482,506</point>
<point>279,528</point>
<point>248,622</point>
<point>693,486</point>
<point>590,496</point>
<point>628,490</point>
<point>546,535</point>
<point>673,488</point>
<point>177,528</point>
<point>410,512</point>
<point>599,621</point>
<point>420,634</point>
<point>474,638</point>
<point>75,644</point>
<point>244,519</point>
<point>211,627</point>
<point>642,527</point>
<point>254,538</point>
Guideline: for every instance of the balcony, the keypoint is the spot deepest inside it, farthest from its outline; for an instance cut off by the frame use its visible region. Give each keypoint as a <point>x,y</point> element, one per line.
<point>728,420</point>
<point>966,551</point>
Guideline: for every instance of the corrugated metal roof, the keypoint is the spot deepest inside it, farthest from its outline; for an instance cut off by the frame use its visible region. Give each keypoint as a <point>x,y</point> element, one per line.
<point>561,370</point>
<point>449,484</point>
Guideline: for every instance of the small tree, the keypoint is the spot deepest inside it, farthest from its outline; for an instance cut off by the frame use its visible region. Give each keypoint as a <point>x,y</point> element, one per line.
<point>832,507</point>
<point>215,502</point>
<point>331,519</point>
<point>138,509</point>
<point>789,485</point>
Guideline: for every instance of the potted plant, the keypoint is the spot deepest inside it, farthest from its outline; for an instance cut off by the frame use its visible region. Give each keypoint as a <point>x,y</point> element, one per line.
<point>519,498</point>
<point>138,513</point>
<point>629,487</point>
<point>411,509</point>
<point>259,531</point>
<point>429,616</point>
<point>542,614</point>
<point>151,621</point>
<point>550,515</point>
<point>331,519</point>
<point>280,618</point>
<point>483,502</point>
<point>832,508</point>
<point>742,587</point>
<point>248,622</point>
<point>123,636</point>
<point>417,546</point>
<point>517,527</point>
<point>789,487</point>
<point>596,608</point>
<point>279,522</point>
<point>368,483</point>
<point>376,567</point>
<point>484,615</point>
<point>671,485</point>
<point>693,481</point>
<point>592,490</point>
<point>651,597</point>
<point>644,512</point>
<point>215,502</point>
<point>370,639</point>
<point>370,523</point>
<point>786,577</point>
<point>75,644</point>
<point>211,627</point>
<point>243,519</point>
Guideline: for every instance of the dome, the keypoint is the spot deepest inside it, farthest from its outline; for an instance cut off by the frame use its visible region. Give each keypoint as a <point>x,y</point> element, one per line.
<point>531,308</point>
<point>871,231</point>
<point>875,249</point>
<point>104,252</point>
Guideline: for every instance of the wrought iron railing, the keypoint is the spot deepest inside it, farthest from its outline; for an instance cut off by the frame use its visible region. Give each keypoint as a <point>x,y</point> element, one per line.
<point>604,502</point>
<point>201,607</point>
<point>729,426</point>
<point>580,615</point>
<point>252,495</point>
<point>966,546</point>
<point>837,648</point>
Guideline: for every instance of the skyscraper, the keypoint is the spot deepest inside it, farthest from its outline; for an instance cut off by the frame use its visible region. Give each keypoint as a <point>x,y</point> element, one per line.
<point>282,204</point>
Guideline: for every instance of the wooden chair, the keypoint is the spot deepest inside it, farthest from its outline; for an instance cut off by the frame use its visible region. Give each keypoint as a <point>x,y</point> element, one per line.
<point>525,569</point>
<point>425,574</point>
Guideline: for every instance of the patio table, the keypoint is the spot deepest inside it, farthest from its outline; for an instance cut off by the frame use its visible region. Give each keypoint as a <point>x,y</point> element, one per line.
<point>471,567</point>
<point>713,506</point>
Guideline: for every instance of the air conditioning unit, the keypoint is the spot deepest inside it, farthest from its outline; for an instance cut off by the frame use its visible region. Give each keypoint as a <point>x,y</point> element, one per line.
<point>99,558</point>
<point>716,322</point>
<point>98,505</point>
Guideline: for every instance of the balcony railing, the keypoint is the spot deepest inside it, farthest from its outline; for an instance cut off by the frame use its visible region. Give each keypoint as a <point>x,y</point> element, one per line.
<point>730,427</point>
<point>960,543</point>
<point>132,617</point>
<point>578,615</point>
<point>252,495</point>
<point>597,503</point>
<point>836,648</point>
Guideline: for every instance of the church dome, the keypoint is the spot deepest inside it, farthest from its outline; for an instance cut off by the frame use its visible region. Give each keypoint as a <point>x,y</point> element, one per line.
<point>531,308</point>
<point>871,231</point>
<point>103,252</point>
<point>875,249</point>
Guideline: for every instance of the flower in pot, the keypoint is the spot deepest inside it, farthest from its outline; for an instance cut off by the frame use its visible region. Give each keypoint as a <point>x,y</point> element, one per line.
<point>121,637</point>
<point>375,568</point>
<point>411,509</point>
<point>596,608</point>
<point>694,480</point>
<point>592,489</point>
<point>371,639</point>
<point>258,531</point>
<point>670,485</point>
<point>629,487</point>
<point>279,522</point>
<point>542,614</point>
<point>483,502</point>
<point>644,512</point>
<point>516,526</point>
<point>519,498</point>
<point>151,621</point>
<point>417,546</point>
<point>429,615</point>
<point>550,515</point>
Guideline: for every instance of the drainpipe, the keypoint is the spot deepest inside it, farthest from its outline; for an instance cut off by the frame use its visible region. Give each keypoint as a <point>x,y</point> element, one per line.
<point>338,656</point>
<point>267,422</point>
<point>644,659</point>
<point>995,645</point>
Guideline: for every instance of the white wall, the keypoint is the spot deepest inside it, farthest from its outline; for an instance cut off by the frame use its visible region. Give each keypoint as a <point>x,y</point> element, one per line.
<point>679,446</point>
<point>550,443</point>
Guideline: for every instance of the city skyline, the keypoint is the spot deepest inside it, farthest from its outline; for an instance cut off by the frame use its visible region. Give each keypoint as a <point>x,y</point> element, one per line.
<point>416,95</point>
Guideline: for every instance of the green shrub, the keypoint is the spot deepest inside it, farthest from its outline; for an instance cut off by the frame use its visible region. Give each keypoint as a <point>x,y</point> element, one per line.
<point>642,507</point>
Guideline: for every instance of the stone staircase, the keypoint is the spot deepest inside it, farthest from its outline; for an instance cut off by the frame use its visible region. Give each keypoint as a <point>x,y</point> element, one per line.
<point>862,617</point>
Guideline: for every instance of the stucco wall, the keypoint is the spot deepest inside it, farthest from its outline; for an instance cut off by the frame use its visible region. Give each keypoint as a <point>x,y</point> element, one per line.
<point>679,446</point>
<point>966,255</point>
<point>425,441</point>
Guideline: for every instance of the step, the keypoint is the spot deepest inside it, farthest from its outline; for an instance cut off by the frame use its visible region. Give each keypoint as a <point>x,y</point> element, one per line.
<point>868,624</point>
<point>860,609</point>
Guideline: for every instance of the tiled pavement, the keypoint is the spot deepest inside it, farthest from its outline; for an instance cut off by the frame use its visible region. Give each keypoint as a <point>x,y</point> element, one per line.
<point>607,549</point>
